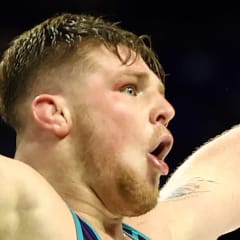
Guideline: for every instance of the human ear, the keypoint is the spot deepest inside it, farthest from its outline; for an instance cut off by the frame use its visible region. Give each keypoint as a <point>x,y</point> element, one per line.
<point>52,114</point>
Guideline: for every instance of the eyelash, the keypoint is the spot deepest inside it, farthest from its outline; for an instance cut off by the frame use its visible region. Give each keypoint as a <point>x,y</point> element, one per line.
<point>134,87</point>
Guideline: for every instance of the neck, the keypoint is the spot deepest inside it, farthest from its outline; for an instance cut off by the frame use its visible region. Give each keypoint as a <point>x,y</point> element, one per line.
<point>87,206</point>
<point>68,181</point>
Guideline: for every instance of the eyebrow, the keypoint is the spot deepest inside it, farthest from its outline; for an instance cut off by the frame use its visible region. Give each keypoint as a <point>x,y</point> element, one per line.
<point>143,76</point>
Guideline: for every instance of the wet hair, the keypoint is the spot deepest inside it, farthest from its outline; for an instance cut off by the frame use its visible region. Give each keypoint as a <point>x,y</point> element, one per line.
<point>54,41</point>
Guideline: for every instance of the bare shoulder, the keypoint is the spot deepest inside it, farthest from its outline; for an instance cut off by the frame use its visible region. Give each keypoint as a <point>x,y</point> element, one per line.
<point>29,207</point>
<point>153,224</point>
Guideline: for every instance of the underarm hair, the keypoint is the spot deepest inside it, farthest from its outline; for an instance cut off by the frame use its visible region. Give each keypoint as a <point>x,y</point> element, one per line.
<point>190,187</point>
<point>179,188</point>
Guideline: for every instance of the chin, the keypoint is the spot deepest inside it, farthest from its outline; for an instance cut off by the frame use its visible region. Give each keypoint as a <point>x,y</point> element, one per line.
<point>140,199</point>
<point>138,196</point>
<point>141,208</point>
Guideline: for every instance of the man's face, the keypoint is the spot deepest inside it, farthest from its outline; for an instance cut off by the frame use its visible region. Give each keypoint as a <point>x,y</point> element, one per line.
<point>123,119</point>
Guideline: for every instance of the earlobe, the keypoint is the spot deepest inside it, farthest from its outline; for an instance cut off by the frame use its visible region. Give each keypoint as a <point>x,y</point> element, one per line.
<point>51,113</point>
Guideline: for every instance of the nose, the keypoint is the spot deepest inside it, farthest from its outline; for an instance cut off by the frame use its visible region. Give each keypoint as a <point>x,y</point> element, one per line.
<point>162,111</point>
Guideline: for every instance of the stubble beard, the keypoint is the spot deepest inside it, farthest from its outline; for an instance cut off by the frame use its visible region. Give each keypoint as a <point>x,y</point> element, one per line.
<point>139,195</point>
<point>136,196</point>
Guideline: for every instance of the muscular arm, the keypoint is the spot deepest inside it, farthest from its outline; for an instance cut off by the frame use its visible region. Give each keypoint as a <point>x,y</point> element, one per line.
<point>8,202</point>
<point>29,207</point>
<point>201,200</point>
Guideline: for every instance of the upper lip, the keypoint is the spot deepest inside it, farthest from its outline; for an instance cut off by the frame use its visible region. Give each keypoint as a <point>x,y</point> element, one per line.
<point>162,147</point>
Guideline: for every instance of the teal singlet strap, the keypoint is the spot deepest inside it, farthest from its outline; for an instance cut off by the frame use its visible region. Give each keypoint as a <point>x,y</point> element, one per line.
<point>84,230</point>
<point>79,231</point>
<point>133,233</point>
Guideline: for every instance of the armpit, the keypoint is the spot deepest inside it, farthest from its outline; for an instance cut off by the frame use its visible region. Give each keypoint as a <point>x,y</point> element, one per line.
<point>190,187</point>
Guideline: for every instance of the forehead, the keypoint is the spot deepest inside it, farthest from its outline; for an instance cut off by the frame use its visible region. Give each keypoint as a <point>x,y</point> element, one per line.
<point>109,63</point>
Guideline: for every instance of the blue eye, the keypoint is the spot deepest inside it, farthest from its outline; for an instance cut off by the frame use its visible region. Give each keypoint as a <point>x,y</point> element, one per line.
<point>131,90</point>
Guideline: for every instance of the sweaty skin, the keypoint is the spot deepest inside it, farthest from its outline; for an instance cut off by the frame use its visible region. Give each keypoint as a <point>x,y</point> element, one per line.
<point>91,119</point>
<point>103,173</point>
<point>25,194</point>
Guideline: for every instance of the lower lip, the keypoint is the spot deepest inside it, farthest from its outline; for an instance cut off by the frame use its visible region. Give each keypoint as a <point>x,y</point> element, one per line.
<point>159,164</point>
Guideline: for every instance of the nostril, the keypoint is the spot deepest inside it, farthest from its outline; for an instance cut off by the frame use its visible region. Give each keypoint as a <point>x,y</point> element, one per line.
<point>162,120</point>
<point>158,118</point>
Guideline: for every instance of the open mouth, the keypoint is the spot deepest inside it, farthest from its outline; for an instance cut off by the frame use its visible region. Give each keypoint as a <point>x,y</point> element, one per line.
<point>161,150</point>
<point>158,150</point>
<point>156,157</point>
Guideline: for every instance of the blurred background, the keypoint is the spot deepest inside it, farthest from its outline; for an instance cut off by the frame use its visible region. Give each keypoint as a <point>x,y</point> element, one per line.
<point>198,43</point>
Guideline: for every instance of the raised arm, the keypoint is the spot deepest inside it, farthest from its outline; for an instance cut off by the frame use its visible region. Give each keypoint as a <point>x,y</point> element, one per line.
<point>29,207</point>
<point>201,200</point>
<point>8,200</point>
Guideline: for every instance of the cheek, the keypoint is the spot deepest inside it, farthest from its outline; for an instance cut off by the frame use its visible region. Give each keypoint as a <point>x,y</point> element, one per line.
<point>113,114</point>
<point>119,120</point>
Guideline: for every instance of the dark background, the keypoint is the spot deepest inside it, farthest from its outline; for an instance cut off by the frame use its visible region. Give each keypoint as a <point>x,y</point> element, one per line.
<point>198,43</point>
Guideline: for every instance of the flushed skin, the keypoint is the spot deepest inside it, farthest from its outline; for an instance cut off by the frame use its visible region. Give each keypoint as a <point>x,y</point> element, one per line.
<point>91,118</point>
<point>87,101</point>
